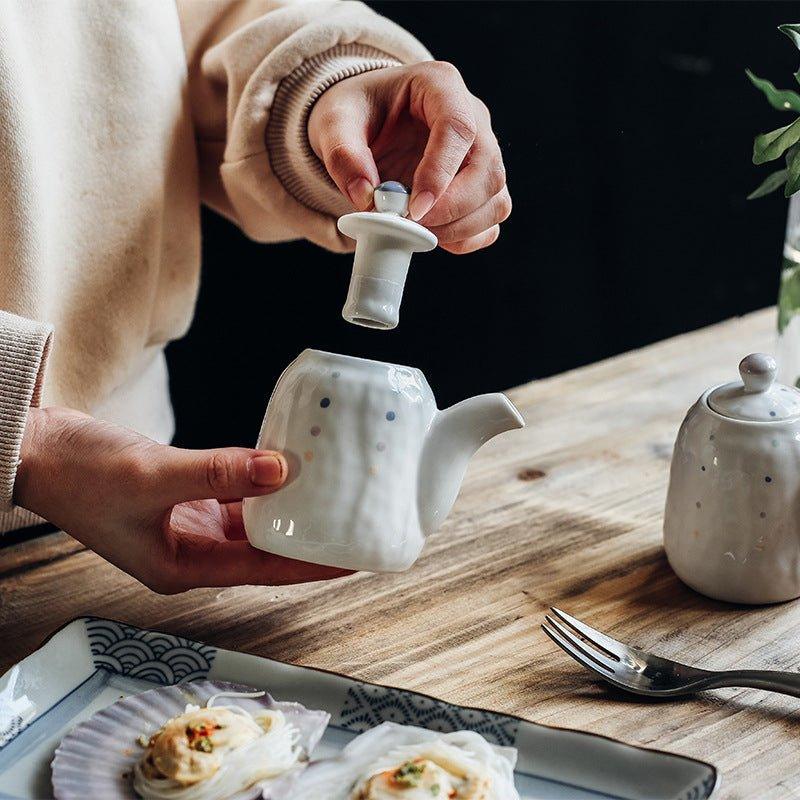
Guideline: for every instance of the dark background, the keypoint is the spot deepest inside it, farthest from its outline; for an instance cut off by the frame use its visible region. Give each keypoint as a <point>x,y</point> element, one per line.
<point>627,132</point>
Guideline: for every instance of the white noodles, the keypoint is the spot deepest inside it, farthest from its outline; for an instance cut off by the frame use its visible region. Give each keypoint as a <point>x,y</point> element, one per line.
<point>273,753</point>
<point>211,700</point>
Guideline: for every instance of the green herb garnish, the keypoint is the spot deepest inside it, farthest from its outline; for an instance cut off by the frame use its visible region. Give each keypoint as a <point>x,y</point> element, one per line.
<point>409,774</point>
<point>435,789</point>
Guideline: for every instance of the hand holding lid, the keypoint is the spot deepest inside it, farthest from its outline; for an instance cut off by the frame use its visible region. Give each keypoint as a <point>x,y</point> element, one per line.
<point>385,241</point>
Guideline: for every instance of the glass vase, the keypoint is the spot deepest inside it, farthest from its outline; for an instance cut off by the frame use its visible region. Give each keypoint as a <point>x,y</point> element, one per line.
<point>788,346</point>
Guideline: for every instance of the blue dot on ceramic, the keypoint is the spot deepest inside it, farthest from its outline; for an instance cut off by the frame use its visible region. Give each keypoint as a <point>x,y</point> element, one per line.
<point>772,413</point>
<point>711,438</point>
<point>703,469</point>
<point>768,479</point>
<point>325,402</point>
<point>334,375</point>
<point>763,515</point>
<point>390,415</point>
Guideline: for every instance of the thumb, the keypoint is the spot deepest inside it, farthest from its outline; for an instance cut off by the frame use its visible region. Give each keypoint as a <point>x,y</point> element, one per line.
<point>341,144</point>
<point>223,474</point>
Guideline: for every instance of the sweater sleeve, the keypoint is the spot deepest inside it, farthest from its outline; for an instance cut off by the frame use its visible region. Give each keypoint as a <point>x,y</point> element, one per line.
<point>255,71</point>
<point>24,346</point>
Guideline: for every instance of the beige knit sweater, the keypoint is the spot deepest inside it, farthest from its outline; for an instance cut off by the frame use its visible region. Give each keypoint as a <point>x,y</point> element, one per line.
<point>117,118</point>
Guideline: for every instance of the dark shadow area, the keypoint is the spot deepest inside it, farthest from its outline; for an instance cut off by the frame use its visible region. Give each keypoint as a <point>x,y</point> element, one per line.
<point>627,130</point>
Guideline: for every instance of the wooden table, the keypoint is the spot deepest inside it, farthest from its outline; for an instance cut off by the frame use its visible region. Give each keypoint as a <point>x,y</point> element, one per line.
<point>566,512</point>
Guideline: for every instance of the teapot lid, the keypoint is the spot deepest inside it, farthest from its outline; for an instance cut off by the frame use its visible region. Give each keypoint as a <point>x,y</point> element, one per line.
<point>756,397</point>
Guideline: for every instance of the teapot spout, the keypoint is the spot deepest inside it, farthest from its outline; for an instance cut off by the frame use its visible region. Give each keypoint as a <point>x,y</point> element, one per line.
<point>455,435</point>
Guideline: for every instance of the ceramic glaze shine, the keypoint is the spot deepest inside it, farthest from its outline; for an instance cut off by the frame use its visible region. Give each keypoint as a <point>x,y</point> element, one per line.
<point>730,523</point>
<point>351,431</point>
<point>363,440</point>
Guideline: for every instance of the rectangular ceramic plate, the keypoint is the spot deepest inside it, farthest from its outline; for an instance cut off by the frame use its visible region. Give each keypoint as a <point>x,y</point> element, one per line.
<point>91,662</point>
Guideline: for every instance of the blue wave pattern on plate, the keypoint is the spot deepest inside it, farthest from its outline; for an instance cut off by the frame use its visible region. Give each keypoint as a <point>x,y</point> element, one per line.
<point>14,727</point>
<point>157,657</point>
<point>368,706</point>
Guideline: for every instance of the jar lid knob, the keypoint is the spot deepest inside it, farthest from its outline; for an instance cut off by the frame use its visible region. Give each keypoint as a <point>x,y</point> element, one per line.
<point>391,197</point>
<point>758,372</point>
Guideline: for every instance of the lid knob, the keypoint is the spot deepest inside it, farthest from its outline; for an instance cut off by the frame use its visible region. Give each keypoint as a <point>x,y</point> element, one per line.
<point>758,372</point>
<point>391,197</point>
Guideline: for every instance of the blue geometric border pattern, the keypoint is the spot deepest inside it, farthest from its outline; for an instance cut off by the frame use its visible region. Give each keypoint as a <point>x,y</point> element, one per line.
<point>14,727</point>
<point>157,657</point>
<point>368,706</point>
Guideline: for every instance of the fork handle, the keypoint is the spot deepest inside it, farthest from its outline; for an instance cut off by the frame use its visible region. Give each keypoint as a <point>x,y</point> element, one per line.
<point>783,682</point>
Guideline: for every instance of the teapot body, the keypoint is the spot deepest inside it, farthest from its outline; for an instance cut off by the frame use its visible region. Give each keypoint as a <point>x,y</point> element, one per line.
<point>732,521</point>
<point>352,431</point>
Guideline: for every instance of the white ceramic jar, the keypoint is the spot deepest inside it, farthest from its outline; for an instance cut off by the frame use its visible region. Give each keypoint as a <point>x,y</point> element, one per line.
<point>732,517</point>
<point>374,466</point>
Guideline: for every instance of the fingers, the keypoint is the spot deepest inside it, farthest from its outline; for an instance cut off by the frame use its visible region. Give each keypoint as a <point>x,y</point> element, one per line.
<point>234,521</point>
<point>490,214</point>
<point>200,561</point>
<point>482,177</point>
<point>439,98</point>
<point>474,243</point>
<point>223,474</point>
<point>339,134</point>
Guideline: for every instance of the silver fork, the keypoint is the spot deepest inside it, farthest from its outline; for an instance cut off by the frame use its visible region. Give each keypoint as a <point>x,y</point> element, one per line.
<point>644,673</point>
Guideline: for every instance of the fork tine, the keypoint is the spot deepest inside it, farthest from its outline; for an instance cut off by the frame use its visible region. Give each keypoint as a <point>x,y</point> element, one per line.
<point>595,637</point>
<point>598,656</point>
<point>568,648</point>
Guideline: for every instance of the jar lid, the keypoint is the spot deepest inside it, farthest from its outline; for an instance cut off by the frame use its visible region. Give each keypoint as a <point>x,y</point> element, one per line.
<point>756,397</point>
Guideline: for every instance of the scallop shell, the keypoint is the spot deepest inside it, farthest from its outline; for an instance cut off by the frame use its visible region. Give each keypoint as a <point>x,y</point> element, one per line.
<point>334,778</point>
<point>96,758</point>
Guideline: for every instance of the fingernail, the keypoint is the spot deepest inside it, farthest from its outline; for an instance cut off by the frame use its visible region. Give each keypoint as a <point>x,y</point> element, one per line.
<point>360,193</point>
<point>421,204</point>
<point>266,470</point>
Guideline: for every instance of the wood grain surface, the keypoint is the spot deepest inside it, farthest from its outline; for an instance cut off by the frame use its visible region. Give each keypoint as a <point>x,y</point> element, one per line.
<point>567,512</point>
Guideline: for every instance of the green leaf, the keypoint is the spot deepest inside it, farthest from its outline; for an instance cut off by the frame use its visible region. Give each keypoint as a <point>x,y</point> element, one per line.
<point>792,30</point>
<point>788,296</point>
<point>773,182</point>
<point>781,99</point>
<point>793,171</point>
<point>772,145</point>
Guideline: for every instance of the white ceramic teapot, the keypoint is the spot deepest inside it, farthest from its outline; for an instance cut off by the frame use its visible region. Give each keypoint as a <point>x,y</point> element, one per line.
<point>374,467</point>
<point>732,519</point>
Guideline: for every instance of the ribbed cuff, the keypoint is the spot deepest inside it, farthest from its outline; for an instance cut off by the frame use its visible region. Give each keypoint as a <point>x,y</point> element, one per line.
<point>24,345</point>
<point>292,159</point>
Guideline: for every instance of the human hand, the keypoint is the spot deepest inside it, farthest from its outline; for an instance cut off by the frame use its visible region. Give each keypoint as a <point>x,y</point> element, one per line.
<point>170,517</point>
<point>420,125</point>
